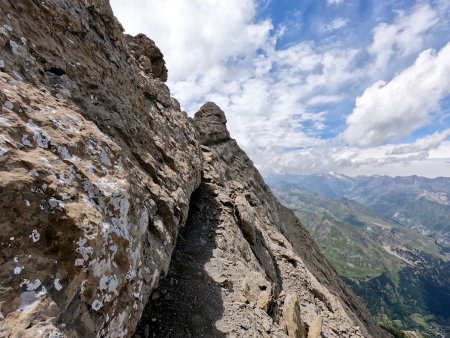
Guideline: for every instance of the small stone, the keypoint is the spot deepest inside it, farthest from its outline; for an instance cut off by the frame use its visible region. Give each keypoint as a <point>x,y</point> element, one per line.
<point>145,63</point>
<point>267,324</point>
<point>17,76</point>
<point>240,304</point>
<point>35,235</point>
<point>2,64</point>
<point>245,324</point>
<point>9,105</point>
<point>243,299</point>
<point>96,305</point>
<point>24,41</point>
<point>53,202</point>
<point>264,300</point>
<point>292,317</point>
<point>57,284</point>
<point>315,330</point>
<point>8,28</point>
<point>14,46</point>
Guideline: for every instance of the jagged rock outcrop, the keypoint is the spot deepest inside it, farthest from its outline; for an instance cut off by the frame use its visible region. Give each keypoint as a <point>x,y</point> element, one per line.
<point>99,172</point>
<point>236,271</point>
<point>148,55</point>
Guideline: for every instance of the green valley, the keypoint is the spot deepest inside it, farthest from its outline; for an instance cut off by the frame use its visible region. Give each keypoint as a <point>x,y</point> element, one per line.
<point>402,274</point>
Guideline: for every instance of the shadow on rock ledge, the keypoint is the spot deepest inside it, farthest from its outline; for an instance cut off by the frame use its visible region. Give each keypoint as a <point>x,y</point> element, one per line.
<point>188,302</point>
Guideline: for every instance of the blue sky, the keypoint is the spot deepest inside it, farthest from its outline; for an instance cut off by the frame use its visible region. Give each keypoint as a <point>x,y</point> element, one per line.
<point>357,87</point>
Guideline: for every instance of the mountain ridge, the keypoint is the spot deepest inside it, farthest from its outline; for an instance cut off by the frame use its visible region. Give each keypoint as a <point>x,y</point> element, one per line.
<point>101,170</point>
<point>416,202</point>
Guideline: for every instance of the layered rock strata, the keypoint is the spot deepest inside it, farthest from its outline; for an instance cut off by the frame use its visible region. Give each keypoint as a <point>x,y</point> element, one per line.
<point>100,169</point>
<point>235,271</point>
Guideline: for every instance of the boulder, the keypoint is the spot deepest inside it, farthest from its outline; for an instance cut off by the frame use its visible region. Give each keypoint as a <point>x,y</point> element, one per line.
<point>292,317</point>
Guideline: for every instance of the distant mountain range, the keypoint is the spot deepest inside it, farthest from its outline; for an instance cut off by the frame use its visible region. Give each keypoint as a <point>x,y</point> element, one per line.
<point>419,203</point>
<point>388,237</point>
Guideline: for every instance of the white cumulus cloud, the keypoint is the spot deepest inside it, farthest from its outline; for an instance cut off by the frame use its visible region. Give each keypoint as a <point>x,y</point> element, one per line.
<point>334,2</point>
<point>389,111</point>
<point>425,143</point>
<point>405,36</point>
<point>229,57</point>
<point>196,36</point>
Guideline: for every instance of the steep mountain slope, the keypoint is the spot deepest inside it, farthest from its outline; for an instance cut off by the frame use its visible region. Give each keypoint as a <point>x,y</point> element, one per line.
<point>419,203</point>
<point>99,172</point>
<point>398,272</point>
<point>243,248</point>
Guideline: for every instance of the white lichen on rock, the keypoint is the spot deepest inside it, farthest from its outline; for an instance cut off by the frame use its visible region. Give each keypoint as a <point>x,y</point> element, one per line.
<point>57,284</point>
<point>97,305</point>
<point>35,235</point>
<point>9,105</point>
<point>40,136</point>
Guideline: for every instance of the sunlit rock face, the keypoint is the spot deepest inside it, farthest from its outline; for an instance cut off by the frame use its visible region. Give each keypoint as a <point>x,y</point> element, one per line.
<point>244,266</point>
<point>98,168</point>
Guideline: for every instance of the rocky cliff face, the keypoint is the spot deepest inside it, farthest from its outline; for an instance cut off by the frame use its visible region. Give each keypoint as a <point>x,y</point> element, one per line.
<point>244,265</point>
<point>99,172</point>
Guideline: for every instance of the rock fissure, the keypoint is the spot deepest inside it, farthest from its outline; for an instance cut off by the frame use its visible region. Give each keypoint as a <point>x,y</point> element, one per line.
<point>188,302</point>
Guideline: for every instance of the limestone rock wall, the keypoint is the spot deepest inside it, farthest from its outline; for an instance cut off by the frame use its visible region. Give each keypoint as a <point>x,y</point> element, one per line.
<point>97,165</point>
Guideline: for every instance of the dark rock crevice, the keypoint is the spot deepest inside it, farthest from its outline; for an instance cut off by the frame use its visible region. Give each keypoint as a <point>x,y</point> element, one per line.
<point>188,301</point>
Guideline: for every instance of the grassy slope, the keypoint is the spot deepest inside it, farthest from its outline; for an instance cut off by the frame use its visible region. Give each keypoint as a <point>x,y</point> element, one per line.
<point>362,247</point>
